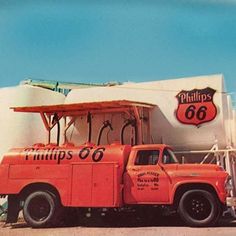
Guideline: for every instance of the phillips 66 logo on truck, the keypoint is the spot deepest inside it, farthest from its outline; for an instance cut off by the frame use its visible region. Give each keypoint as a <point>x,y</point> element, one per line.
<point>196,106</point>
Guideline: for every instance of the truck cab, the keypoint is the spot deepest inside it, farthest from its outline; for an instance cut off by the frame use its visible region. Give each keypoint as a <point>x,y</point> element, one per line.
<point>154,176</point>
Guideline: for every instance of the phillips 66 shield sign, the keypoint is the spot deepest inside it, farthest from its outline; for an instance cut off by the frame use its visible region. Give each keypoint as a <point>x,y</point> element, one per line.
<point>196,106</point>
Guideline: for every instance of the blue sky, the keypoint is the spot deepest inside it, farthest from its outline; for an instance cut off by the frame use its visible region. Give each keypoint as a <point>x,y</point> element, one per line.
<point>100,41</point>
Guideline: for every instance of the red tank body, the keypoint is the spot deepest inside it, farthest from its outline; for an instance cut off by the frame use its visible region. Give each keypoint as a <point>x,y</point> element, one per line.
<point>73,171</point>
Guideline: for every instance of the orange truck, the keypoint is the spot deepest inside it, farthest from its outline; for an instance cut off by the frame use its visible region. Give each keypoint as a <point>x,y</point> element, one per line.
<point>44,178</point>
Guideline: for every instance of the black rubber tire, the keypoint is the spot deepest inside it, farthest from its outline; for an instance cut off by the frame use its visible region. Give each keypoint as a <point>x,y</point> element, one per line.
<point>40,208</point>
<point>199,208</point>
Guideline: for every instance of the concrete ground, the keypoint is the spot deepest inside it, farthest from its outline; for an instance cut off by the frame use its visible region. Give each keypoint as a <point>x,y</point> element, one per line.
<point>122,226</point>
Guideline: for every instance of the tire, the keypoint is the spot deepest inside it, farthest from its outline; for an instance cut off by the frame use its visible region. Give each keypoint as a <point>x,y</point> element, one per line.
<point>199,208</point>
<point>39,209</point>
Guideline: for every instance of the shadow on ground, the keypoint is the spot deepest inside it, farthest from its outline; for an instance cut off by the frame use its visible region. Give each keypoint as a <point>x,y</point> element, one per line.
<point>128,221</point>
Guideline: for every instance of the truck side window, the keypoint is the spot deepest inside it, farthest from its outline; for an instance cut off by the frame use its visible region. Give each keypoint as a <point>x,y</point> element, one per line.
<point>169,157</point>
<point>147,157</point>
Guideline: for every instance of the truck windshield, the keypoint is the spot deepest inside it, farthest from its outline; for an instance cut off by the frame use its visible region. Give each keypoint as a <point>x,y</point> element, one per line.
<point>169,157</point>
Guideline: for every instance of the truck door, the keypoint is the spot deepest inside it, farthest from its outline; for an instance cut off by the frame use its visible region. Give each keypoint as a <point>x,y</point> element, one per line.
<point>144,180</point>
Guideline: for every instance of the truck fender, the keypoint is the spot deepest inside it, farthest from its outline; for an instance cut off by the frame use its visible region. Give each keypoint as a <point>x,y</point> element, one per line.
<point>39,186</point>
<point>181,187</point>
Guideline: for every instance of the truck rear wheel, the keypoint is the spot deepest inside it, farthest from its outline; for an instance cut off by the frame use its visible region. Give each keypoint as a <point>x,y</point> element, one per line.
<point>39,209</point>
<point>199,208</point>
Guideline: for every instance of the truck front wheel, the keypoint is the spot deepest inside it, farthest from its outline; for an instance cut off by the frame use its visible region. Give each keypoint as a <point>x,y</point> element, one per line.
<point>39,209</point>
<point>199,208</point>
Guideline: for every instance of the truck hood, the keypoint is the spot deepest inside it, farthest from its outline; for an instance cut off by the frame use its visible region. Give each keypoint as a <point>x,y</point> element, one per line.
<point>199,167</point>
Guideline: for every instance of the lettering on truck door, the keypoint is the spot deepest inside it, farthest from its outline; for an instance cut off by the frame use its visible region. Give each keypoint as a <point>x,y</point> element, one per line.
<point>145,181</point>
